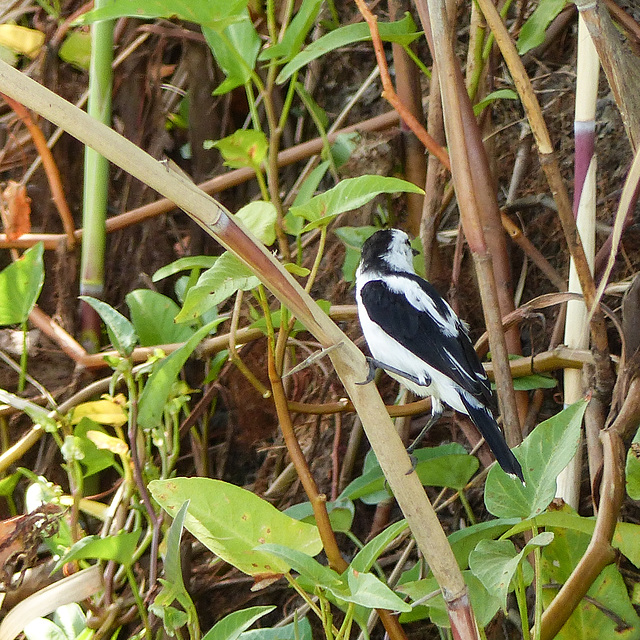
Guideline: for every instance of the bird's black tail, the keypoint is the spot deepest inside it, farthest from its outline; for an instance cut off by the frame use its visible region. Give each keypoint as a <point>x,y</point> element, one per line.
<point>488,427</point>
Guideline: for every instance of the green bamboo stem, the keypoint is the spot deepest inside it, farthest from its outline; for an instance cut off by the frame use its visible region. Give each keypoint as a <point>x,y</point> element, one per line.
<point>96,172</point>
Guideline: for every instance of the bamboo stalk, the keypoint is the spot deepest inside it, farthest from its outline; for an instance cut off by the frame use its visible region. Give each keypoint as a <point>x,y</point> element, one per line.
<point>96,179</point>
<point>576,333</point>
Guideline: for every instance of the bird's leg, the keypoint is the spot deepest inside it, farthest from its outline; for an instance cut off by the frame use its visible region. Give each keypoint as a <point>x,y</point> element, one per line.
<point>376,364</point>
<point>436,413</point>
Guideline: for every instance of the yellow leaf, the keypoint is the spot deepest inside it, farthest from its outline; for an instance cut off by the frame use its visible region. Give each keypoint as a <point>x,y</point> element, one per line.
<point>21,39</point>
<point>101,411</point>
<point>104,441</point>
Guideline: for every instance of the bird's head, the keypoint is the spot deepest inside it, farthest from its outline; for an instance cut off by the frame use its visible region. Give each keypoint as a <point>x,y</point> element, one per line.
<point>388,250</point>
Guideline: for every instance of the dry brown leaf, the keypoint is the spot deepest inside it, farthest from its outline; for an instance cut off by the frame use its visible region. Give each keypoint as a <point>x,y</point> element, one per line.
<point>16,210</point>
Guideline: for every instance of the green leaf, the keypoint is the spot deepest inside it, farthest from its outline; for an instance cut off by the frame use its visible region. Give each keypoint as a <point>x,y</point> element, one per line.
<point>500,94</point>
<point>173,585</point>
<point>235,51</point>
<point>485,606</point>
<point>534,381</point>
<point>369,591</point>
<point>321,576</point>
<point>260,218</point>
<point>632,470</point>
<point>122,334</point>
<point>172,563</point>
<point>543,455</point>
<point>20,285</point>
<point>71,619</point>
<point>158,387</point>
<point>608,613</point>
<point>94,460</point>
<point>464,541</point>
<point>152,315</point>
<point>244,148</point>
<point>227,276</point>
<point>347,195</point>
<point>232,625</point>
<point>626,537</point>
<point>533,30</point>
<point>119,547</point>
<point>341,513</point>
<point>494,563</point>
<point>299,630</point>
<point>43,629</point>
<point>364,559</point>
<point>441,466</point>
<point>295,34</point>
<point>403,32</point>
<point>453,471</point>
<point>353,239</point>
<point>76,49</point>
<point>184,264</point>
<point>35,412</point>
<point>8,484</point>
<point>203,12</point>
<point>231,522</point>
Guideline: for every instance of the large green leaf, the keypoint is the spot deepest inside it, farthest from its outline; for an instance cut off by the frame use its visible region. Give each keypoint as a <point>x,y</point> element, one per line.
<point>347,195</point>
<point>227,276</point>
<point>235,51</point>
<point>448,465</point>
<point>158,387</point>
<point>121,332</point>
<point>153,316</point>
<point>607,611</point>
<point>403,32</point>
<point>494,563</point>
<point>203,12</point>
<point>232,521</point>
<point>543,455</point>
<point>626,537</point>
<point>20,285</point>
<point>464,541</point>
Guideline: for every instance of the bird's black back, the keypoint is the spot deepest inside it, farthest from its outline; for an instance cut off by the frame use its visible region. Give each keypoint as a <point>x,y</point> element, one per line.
<point>419,332</point>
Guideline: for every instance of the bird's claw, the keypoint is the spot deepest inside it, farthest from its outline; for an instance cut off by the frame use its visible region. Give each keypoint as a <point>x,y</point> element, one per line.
<point>372,372</point>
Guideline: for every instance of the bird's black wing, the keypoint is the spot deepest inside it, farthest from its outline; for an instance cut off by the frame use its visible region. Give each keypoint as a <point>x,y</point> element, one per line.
<point>423,334</point>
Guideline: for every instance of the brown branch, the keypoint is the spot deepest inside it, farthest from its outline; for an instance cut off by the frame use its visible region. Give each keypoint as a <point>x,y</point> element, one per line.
<point>50,168</point>
<point>389,93</point>
<point>550,166</point>
<point>599,553</point>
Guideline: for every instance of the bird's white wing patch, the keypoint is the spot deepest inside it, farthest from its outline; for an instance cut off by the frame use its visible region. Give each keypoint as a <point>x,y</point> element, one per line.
<point>423,302</point>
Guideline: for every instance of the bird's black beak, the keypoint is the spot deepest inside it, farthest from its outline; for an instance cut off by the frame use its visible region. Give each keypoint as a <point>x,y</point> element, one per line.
<point>415,252</point>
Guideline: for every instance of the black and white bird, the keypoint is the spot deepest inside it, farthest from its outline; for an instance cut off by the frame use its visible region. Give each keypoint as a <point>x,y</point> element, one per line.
<point>415,336</point>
